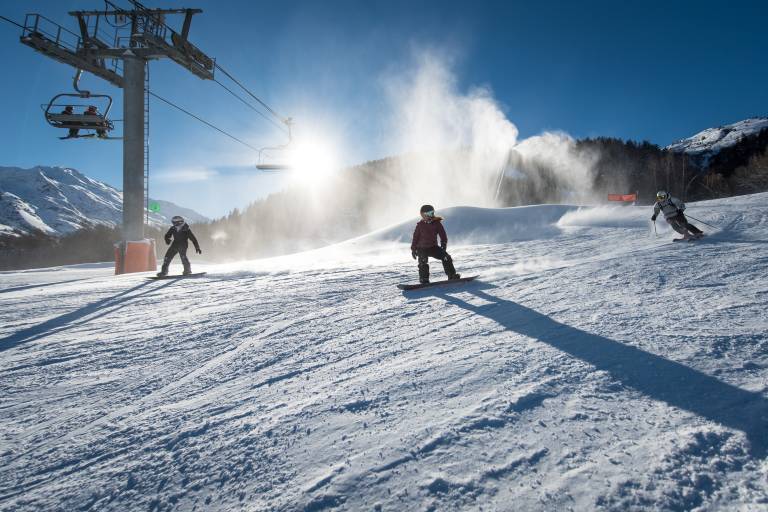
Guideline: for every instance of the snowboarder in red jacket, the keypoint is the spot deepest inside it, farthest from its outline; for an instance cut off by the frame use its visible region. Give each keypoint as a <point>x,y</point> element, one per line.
<point>424,244</point>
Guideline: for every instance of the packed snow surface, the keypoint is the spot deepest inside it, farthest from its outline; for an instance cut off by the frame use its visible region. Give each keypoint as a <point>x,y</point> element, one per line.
<point>58,200</point>
<point>592,366</point>
<point>713,140</point>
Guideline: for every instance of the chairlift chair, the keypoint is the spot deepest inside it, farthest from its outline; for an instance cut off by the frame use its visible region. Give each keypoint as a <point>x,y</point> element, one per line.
<point>79,118</point>
<point>270,157</point>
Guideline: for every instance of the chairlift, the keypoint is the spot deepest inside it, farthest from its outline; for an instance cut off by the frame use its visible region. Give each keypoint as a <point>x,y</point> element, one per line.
<point>273,158</point>
<point>80,116</point>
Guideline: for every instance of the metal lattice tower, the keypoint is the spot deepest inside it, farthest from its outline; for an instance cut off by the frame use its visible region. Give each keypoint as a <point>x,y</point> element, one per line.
<point>123,63</point>
<point>146,144</point>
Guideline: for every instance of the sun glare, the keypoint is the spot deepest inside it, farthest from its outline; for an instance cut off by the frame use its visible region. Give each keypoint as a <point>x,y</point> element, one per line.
<point>313,160</point>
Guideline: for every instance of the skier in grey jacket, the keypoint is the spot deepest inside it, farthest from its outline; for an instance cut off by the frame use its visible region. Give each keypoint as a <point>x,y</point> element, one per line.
<point>673,208</point>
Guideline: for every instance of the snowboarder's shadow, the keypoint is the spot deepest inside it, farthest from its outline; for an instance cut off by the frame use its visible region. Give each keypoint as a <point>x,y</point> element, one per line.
<point>39,285</point>
<point>97,309</point>
<point>444,290</point>
<point>656,377</point>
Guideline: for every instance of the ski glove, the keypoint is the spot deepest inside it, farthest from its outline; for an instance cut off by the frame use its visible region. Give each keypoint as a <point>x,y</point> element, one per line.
<point>443,246</point>
<point>653,218</point>
<point>197,249</point>
<point>167,241</point>
<point>414,253</point>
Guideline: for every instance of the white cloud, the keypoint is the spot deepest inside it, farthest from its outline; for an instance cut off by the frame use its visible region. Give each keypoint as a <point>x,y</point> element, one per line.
<point>185,175</point>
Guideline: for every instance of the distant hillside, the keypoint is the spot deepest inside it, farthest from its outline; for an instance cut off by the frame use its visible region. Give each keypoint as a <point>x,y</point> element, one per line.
<point>57,200</point>
<point>733,158</point>
<point>708,143</point>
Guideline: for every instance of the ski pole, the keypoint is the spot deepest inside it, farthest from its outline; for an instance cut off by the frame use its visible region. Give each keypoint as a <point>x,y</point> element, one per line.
<point>699,220</point>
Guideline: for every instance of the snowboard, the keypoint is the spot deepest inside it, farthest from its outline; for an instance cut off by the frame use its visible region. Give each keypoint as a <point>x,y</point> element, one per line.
<point>436,283</point>
<point>176,276</point>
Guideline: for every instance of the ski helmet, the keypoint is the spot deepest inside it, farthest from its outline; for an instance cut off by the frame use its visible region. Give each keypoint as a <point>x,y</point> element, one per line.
<point>177,220</point>
<point>661,195</point>
<point>426,209</point>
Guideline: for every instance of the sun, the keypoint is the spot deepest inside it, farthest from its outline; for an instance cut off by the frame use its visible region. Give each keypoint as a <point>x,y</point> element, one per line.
<point>312,160</point>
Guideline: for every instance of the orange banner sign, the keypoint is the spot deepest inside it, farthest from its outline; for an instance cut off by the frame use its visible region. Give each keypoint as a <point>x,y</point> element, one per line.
<point>622,197</point>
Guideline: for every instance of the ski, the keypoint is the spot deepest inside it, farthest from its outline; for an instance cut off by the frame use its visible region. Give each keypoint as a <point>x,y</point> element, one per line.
<point>176,276</point>
<point>407,287</point>
<point>689,239</point>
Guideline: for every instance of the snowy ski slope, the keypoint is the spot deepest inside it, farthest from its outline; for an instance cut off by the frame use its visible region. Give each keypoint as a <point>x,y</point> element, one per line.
<point>592,367</point>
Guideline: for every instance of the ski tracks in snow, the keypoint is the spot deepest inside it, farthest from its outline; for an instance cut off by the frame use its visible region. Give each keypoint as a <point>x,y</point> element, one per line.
<point>324,389</point>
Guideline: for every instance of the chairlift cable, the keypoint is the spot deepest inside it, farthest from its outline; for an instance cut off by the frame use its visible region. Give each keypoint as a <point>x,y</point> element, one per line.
<point>202,120</point>
<point>11,21</point>
<point>283,120</point>
<point>262,103</point>
<point>262,114</point>
<point>109,4</point>
<point>271,111</point>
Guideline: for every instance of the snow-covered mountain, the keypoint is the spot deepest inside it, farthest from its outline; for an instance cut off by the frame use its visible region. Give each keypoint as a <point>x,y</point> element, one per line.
<point>711,141</point>
<point>57,200</point>
<point>591,367</point>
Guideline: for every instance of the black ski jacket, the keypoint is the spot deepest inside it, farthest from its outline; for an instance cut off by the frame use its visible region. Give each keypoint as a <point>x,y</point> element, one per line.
<point>181,236</point>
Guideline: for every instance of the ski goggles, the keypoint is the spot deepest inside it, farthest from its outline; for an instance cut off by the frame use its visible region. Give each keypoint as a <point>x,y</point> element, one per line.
<point>177,222</point>
<point>430,213</point>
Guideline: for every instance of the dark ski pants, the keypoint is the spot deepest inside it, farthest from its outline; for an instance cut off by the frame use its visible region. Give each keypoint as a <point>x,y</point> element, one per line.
<point>171,252</point>
<point>437,253</point>
<point>680,224</point>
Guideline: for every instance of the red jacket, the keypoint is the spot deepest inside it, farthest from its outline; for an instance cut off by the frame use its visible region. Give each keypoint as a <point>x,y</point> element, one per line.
<point>426,233</point>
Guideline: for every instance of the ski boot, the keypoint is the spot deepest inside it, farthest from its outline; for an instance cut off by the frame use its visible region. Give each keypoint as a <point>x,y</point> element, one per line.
<point>162,274</point>
<point>423,271</point>
<point>454,277</point>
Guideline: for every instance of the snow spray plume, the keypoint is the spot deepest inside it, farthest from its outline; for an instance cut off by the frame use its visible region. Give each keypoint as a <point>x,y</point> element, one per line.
<point>549,168</point>
<point>452,145</point>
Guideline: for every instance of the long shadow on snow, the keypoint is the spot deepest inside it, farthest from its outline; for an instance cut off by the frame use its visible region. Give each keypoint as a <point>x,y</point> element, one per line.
<point>67,320</point>
<point>40,285</point>
<point>652,375</point>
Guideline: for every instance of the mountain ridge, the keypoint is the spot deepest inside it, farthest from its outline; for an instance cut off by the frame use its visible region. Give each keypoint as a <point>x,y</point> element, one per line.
<point>710,141</point>
<point>58,200</point>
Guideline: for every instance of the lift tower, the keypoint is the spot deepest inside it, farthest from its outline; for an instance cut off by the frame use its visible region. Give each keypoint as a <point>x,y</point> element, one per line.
<point>140,35</point>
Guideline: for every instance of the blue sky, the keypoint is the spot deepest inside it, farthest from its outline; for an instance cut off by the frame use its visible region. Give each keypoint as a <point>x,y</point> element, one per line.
<point>653,70</point>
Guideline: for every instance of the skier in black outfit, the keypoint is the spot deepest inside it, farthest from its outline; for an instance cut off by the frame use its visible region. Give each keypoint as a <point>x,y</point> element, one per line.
<point>181,235</point>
